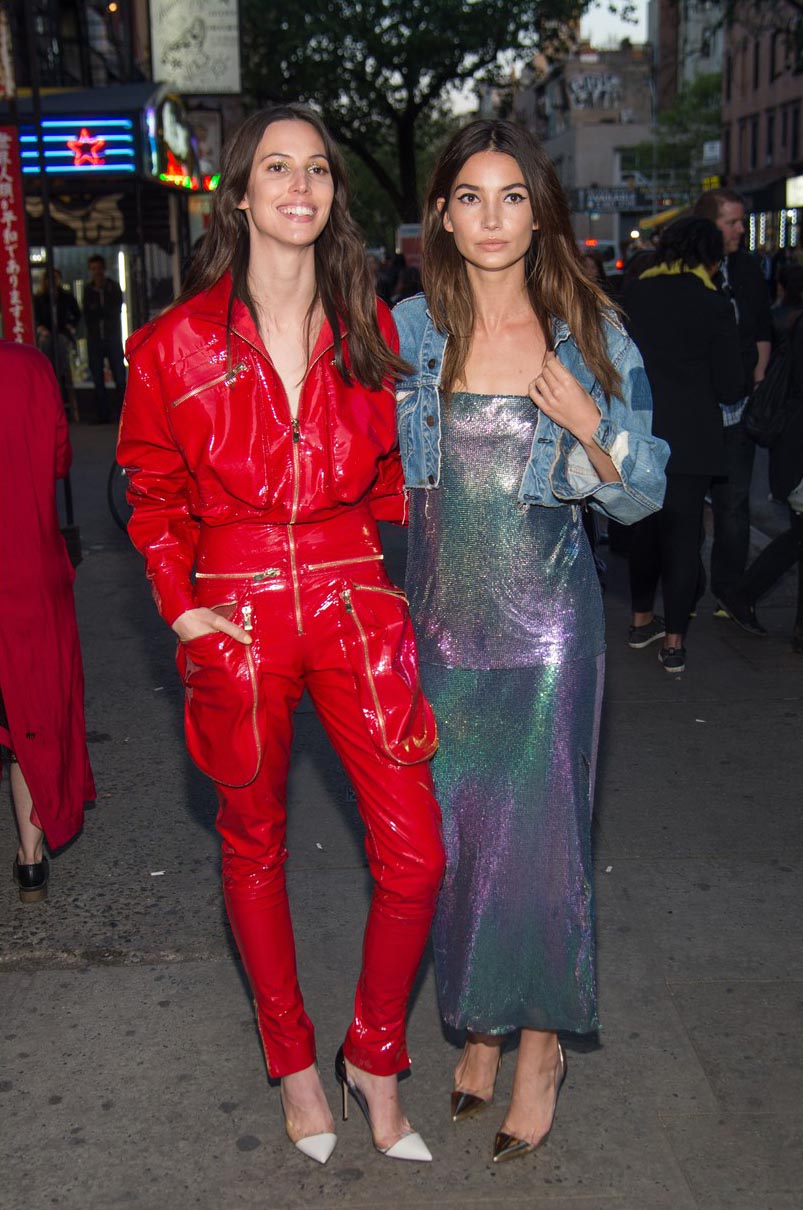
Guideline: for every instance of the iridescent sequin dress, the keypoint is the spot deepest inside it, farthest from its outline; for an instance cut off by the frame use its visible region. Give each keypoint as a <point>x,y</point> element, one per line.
<point>509,626</point>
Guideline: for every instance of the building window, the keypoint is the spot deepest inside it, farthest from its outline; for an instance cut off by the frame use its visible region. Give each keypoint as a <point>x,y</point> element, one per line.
<point>794,133</point>
<point>784,127</point>
<point>774,70</point>
<point>754,142</point>
<point>726,151</point>
<point>770,149</point>
<point>770,137</point>
<point>741,162</point>
<point>728,75</point>
<point>756,62</point>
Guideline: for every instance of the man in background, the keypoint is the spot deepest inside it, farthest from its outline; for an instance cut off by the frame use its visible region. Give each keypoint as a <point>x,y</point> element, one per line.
<point>741,279</point>
<point>103,301</point>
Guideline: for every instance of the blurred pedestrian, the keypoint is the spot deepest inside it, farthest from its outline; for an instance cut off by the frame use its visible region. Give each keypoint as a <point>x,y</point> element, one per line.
<point>789,305</point>
<point>526,399</point>
<point>594,266</point>
<point>68,316</point>
<point>259,438</point>
<point>41,675</point>
<point>785,473</point>
<point>103,303</point>
<point>408,284</point>
<point>741,280</point>
<point>687,335</point>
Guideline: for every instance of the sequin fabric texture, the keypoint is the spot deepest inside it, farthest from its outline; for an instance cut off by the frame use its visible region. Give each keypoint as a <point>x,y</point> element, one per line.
<point>509,625</point>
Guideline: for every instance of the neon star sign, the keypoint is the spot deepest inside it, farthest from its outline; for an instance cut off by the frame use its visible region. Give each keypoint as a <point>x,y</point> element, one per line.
<point>87,149</point>
<point>84,145</point>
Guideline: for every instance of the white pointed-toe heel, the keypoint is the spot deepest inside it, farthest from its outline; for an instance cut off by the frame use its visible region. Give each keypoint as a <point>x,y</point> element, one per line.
<point>317,1146</point>
<point>408,1147</point>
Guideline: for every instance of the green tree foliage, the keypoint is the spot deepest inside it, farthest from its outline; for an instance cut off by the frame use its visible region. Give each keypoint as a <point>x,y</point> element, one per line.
<point>683,128</point>
<point>382,72</point>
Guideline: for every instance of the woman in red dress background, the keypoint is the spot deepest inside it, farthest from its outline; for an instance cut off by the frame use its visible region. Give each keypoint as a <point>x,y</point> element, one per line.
<point>41,674</point>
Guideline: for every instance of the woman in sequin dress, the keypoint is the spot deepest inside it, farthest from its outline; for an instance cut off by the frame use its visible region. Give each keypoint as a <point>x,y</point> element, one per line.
<point>526,399</point>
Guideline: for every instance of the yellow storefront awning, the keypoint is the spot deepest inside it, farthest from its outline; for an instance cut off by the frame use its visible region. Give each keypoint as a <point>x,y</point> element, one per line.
<point>658,220</point>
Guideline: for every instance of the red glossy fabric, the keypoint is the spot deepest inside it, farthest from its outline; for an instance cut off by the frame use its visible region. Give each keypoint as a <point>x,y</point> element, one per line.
<point>41,674</point>
<point>292,600</point>
<point>277,519</point>
<point>202,399</point>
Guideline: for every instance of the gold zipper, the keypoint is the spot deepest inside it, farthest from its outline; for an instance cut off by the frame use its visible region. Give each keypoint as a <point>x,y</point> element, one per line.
<point>296,484</point>
<point>252,674</point>
<point>228,378</point>
<point>255,576</point>
<point>391,592</point>
<point>294,573</point>
<point>343,562</point>
<point>346,596</point>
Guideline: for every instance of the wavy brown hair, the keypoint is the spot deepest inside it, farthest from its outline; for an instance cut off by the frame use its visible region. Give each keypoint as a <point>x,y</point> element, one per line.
<point>556,279</point>
<point>344,283</point>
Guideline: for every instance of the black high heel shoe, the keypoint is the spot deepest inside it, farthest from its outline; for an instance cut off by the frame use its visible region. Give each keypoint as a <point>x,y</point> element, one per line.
<point>31,880</point>
<point>408,1147</point>
<point>507,1146</point>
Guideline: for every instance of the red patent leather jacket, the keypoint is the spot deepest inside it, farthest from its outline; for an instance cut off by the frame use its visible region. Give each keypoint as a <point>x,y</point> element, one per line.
<point>207,437</point>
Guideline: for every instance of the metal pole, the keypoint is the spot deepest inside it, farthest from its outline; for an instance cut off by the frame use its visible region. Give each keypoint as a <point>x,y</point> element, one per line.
<point>654,124</point>
<point>71,532</point>
<point>50,269</point>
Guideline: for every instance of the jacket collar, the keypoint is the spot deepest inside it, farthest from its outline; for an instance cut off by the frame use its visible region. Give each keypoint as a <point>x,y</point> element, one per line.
<point>212,305</point>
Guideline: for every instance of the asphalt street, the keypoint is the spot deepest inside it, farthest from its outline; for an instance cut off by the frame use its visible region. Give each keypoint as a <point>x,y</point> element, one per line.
<point>132,1074</point>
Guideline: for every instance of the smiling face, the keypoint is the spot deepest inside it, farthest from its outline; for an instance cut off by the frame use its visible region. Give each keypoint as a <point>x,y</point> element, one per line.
<point>290,188</point>
<point>489,212</point>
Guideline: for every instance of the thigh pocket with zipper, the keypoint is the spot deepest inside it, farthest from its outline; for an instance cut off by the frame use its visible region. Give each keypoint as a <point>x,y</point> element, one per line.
<point>381,648</point>
<point>220,707</point>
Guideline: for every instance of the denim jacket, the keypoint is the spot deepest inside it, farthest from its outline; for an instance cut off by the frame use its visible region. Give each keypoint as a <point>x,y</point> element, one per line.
<point>558,471</point>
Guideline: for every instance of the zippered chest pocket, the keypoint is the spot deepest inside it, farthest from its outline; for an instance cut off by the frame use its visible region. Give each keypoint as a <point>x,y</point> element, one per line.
<point>218,423</point>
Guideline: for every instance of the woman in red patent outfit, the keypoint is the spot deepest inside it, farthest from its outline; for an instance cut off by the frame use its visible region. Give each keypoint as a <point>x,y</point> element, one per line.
<point>258,434</point>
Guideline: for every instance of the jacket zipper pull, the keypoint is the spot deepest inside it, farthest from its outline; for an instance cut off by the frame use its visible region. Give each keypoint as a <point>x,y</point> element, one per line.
<point>248,618</point>
<point>296,432</point>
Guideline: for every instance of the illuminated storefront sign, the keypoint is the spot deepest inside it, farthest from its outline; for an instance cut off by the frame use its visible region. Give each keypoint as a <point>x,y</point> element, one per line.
<point>173,149</point>
<point>177,156</point>
<point>15,288</point>
<point>87,145</point>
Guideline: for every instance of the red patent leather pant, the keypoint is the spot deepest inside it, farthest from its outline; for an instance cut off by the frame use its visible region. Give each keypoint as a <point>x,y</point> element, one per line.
<point>272,578</point>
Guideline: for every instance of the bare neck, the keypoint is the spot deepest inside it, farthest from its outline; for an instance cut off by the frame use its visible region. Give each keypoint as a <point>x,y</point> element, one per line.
<point>283,286</point>
<point>499,298</point>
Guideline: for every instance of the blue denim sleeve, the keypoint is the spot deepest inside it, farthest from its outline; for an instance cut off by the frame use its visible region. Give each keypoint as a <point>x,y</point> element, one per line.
<point>625,434</point>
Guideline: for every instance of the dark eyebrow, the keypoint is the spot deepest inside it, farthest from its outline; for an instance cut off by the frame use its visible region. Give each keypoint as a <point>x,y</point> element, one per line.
<point>478,188</point>
<point>287,155</point>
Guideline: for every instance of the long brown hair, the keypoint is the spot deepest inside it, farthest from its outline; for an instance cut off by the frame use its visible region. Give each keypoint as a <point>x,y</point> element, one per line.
<point>344,284</point>
<point>557,282</point>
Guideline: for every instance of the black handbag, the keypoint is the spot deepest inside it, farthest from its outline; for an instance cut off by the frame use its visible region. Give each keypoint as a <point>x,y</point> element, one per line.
<point>769,407</point>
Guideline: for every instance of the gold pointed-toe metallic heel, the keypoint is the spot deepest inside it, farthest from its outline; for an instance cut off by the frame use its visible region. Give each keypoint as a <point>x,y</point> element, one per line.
<point>507,1146</point>
<point>465,1105</point>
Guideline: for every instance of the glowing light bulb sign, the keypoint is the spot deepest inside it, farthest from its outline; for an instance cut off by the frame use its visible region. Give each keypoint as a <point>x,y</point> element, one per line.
<point>80,145</point>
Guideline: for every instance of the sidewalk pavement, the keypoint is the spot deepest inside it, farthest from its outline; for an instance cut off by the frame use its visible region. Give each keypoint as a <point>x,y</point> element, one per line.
<point>132,1071</point>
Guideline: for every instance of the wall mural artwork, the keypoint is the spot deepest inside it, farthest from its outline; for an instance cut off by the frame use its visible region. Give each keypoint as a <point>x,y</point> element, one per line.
<point>600,90</point>
<point>96,220</point>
